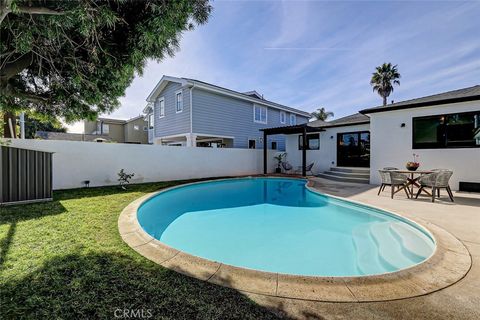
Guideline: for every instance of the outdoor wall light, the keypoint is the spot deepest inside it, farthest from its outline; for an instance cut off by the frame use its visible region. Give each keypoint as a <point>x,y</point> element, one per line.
<point>402,125</point>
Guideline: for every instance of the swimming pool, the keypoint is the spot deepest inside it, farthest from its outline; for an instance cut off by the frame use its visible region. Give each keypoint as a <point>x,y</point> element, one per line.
<point>279,225</point>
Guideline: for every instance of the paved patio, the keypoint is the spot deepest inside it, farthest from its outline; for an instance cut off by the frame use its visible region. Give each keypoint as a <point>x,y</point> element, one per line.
<point>459,301</point>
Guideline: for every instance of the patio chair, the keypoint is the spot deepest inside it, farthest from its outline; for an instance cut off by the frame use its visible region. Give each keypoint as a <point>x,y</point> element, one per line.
<point>400,181</point>
<point>307,168</point>
<point>436,180</point>
<point>393,179</point>
<point>385,176</point>
<point>286,167</point>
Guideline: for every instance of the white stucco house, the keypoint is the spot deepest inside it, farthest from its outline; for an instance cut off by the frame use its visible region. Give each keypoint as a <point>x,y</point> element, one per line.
<point>442,129</point>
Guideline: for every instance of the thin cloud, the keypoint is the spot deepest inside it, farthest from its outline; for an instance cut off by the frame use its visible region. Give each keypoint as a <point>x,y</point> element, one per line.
<point>307,48</point>
<point>311,54</point>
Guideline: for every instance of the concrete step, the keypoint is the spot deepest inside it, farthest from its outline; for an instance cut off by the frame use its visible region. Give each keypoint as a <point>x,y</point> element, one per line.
<point>348,174</point>
<point>350,169</point>
<point>343,179</point>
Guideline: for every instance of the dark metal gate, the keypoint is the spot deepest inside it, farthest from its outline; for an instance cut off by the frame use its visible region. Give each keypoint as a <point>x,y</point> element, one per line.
<point>25,175</point>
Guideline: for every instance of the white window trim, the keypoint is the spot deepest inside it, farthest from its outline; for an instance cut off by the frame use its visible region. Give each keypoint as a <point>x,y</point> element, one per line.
<point>284,118</point>
<point>266,114</point>
<point>151,124</point>
<point>290,119</point>
<point>181,104</point>
<point>159,109</point>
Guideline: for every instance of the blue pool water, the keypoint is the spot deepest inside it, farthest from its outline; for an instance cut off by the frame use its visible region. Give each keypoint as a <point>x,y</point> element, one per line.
<point>278,225</point>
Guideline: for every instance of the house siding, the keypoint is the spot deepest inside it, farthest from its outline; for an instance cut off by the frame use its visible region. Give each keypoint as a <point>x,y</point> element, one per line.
<point>136,136</point>
<point>215,114</point>
<point>172,123</point>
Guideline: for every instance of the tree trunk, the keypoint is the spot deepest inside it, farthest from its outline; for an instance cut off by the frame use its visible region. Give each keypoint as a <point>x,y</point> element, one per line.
<point>384,101</point>
<point>6,126</point>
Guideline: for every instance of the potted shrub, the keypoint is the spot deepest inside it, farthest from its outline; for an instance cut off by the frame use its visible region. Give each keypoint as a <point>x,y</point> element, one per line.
<point>279,157</point>
<point>413,165</point>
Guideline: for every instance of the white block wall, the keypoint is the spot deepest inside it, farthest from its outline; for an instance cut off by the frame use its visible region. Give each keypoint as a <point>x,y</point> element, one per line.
<point>391,145</point>
<point>74,162</point>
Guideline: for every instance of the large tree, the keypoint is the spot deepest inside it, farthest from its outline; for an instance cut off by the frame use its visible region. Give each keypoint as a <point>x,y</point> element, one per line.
<point>35,122</point>
<point>322,114</point>
<point>74,59</point>
<point>383,79</point>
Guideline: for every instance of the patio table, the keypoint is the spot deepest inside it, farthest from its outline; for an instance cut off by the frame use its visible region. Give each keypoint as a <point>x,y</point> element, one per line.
<point>412,180</point>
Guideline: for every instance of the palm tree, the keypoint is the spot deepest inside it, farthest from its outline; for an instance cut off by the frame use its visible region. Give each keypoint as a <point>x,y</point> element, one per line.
<point>322,114</point>
<point>383,79</point>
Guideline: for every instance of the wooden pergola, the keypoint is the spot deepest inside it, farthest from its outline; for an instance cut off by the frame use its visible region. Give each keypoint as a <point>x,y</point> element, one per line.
<point>302,129</point>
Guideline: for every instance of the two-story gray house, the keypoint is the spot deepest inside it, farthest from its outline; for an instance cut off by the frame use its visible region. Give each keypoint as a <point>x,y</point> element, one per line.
<point>188,112</point>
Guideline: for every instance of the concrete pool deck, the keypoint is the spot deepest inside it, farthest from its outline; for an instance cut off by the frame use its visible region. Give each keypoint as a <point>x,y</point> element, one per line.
<point>458,301</point>
<point>288,293</point>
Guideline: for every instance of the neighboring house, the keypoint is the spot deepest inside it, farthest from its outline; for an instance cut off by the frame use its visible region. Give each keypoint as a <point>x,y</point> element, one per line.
<point>443,129</point>
<point>134,130</point>
<point>188,112</point>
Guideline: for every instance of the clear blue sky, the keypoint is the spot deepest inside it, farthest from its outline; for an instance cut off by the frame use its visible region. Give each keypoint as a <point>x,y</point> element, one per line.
<point>308,54</point>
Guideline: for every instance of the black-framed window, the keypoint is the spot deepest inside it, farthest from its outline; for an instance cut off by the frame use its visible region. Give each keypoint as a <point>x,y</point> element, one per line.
<point>251,144</point>
<point>274,145</point>
<point>455,130</point>
<point>313,141</point>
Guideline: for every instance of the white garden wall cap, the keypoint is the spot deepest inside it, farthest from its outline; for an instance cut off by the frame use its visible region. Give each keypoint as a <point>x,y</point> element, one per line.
<point>449,263</point>
<point>454,96</point>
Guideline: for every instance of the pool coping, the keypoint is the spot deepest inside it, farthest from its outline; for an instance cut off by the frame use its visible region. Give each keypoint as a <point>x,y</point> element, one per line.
<point>449,263</point>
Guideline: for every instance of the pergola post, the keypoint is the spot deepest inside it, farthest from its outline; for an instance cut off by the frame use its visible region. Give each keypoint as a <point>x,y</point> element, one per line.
<point>301,129</point>
<point>304,152</point>
<point>265,152</point>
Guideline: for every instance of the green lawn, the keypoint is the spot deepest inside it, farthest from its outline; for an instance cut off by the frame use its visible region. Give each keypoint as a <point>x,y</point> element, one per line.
<point>65,260</point>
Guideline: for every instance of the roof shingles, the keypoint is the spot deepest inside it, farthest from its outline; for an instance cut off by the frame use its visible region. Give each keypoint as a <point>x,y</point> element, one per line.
<point>460,95</point>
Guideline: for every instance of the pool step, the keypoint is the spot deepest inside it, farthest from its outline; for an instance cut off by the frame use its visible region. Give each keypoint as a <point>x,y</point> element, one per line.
<point>416,250</point>
<point>366,253</point>
<point>390,250</point>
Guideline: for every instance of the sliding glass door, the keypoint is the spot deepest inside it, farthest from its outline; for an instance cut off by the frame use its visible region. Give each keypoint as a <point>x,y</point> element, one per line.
<point>353,149</point>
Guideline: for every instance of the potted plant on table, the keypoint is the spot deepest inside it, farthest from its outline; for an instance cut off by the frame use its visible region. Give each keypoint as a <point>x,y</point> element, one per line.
<point>279,157</point>
<point>413,165</point>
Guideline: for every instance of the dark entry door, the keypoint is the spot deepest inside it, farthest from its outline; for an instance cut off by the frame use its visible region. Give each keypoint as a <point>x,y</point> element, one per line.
<point>353,149</point>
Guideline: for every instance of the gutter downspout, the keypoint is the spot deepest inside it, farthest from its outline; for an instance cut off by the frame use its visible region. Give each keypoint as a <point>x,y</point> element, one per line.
<point>191,108</point>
